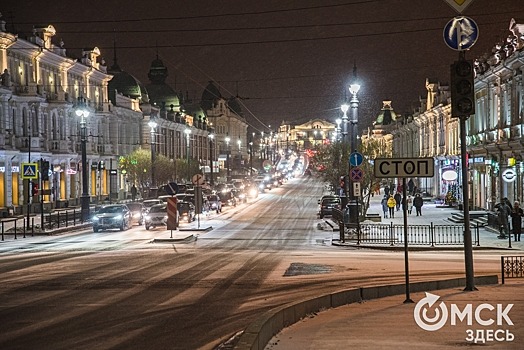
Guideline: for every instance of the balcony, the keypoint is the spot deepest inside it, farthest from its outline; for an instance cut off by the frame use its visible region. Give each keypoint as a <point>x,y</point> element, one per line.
<point>59,146</point>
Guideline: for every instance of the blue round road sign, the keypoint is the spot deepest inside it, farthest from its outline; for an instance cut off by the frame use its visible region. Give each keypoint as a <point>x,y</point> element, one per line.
<point>355,159</point>
<point>461,33</point>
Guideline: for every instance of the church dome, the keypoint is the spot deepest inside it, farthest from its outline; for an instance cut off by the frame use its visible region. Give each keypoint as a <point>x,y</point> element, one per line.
<point>160,93</point>
<point>234,104</point>
<point>125,84</point>
<point>209,96</point>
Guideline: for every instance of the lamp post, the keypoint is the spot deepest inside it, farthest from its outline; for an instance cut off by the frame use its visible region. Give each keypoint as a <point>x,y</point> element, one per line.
<point>344,107</point>
<point>83,113</point>
<point>228,176</point>
<point>251,159</point>
<point>338,121</point>
<point>188,133</point>
<point>353,89</point>
<point>152,124</point>
<point>211,158</point>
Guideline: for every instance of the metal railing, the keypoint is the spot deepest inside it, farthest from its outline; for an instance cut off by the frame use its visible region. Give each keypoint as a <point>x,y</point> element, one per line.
<point>431,235</point>
<point>512,267</point>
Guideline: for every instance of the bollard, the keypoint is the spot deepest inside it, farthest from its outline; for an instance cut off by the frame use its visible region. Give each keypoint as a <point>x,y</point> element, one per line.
<point>2,230</point>
<point>32,227</point>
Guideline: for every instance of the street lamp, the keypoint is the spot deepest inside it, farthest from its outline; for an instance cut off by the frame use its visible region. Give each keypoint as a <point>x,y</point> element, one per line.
<point>152,124</point>
<point>353,89</point>
<point>83,113</point>
<point>228,176</point>
<point>211,158</point>
<point>344,107</point>
<point>188,133</point>
<point>338,121</point>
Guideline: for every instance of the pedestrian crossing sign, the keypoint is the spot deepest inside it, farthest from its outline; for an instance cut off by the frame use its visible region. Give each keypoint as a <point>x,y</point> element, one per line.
<point>30,171</point>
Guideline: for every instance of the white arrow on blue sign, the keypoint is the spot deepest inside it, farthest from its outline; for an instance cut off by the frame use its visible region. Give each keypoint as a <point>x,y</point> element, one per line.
<point>355,159</point>
<point>461,33</point>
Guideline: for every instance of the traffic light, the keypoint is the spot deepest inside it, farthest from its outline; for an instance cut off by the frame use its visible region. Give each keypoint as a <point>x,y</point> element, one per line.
<point>462,89</point>
<point>101,165</point>
<point>34,188</point>
<point>45,170</point>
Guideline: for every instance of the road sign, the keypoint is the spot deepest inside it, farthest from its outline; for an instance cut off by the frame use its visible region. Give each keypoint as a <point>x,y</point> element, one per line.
<point>458,5</point>
<point>355,159</point>
<point>198,179</point>
<point>356,189</point>
<point>356,174</point>
<point>461,33</point>
<point>30,171</point>
<point>509,175</point>
<point>404,167</point>
<point>172,213</point>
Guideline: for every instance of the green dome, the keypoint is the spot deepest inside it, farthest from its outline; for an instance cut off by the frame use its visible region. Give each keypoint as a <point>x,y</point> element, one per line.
<point>125,84</point>
<point>160,93</point>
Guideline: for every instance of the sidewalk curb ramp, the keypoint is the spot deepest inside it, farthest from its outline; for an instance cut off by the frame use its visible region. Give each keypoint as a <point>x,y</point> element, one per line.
<point>257,335</point>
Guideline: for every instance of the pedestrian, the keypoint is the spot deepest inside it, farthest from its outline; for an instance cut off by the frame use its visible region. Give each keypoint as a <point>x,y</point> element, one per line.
<point>133,192</point>
<point>516,220</point>
<point>504,212</point>
<point>398,199</point>
<point>385,209</point>
<point>409,202</point>
<point>391,206</point>
<point>418,203</point>
<point>411,186</point>
<point>386,191</point>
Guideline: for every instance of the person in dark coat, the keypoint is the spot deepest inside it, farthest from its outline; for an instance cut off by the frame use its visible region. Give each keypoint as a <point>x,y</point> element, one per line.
<point>418,203</point>
<point>398,199</point>
<point>504,212</point>
<point>411,186</point>
<point>516,220</point>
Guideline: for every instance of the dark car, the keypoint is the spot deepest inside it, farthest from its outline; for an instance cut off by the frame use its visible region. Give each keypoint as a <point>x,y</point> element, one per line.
<point>228,199</point>
<point>137,212</point>
<point>186,211</point>
<point>327,203</point>
<point>112,216</point>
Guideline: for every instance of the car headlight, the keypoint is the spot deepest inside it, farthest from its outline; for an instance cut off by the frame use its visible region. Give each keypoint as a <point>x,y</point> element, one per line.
<point>136,215</point>
<point>147,217</point>
<point>96,218</point>
<point>253,192</point>
<point>118,217</point>
<point>261,186</point>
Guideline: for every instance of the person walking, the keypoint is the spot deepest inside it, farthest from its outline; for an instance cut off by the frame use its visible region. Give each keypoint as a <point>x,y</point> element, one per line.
<point>391,206</point>
<point>385,209</point>
<point>504,212</point>
<point>133,192</point>
<point>411,186</point>
<point>398,199</point>
<point>409,202</point>
<point>418,203</point>
<point>516,220</point>
<point>386,191</point>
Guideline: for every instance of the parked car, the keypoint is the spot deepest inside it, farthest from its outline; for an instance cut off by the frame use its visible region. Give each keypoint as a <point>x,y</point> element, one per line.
<point>186,211</point>
<point>137,212</point>
<point>214,203</point>
<point>157,216</point>
<point>112,216</point>
<point>327,203</point>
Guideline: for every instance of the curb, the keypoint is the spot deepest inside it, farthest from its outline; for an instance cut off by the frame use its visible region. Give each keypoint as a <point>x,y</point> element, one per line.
<point>257,335</point>
<point>190,238</point>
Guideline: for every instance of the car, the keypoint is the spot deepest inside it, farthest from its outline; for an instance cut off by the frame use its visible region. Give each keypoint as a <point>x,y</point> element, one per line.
<point>137,212</point>
<point>228,199</point>
<point>239,195</point>
<point>112,216</point>
<point>148,203</point>
<point>186,211</point>
<point>214,203</point>
<point>327,203</point>
<point>157,216</point>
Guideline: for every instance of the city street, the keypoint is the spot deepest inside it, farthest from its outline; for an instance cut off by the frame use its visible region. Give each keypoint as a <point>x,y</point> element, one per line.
<point>118,289</point>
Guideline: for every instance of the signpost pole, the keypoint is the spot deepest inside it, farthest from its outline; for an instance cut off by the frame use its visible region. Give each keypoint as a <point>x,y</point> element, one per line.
<point>406,258</point>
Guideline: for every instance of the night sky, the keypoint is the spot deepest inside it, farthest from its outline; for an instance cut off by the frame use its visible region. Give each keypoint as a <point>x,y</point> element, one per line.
<point>288,60</point>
